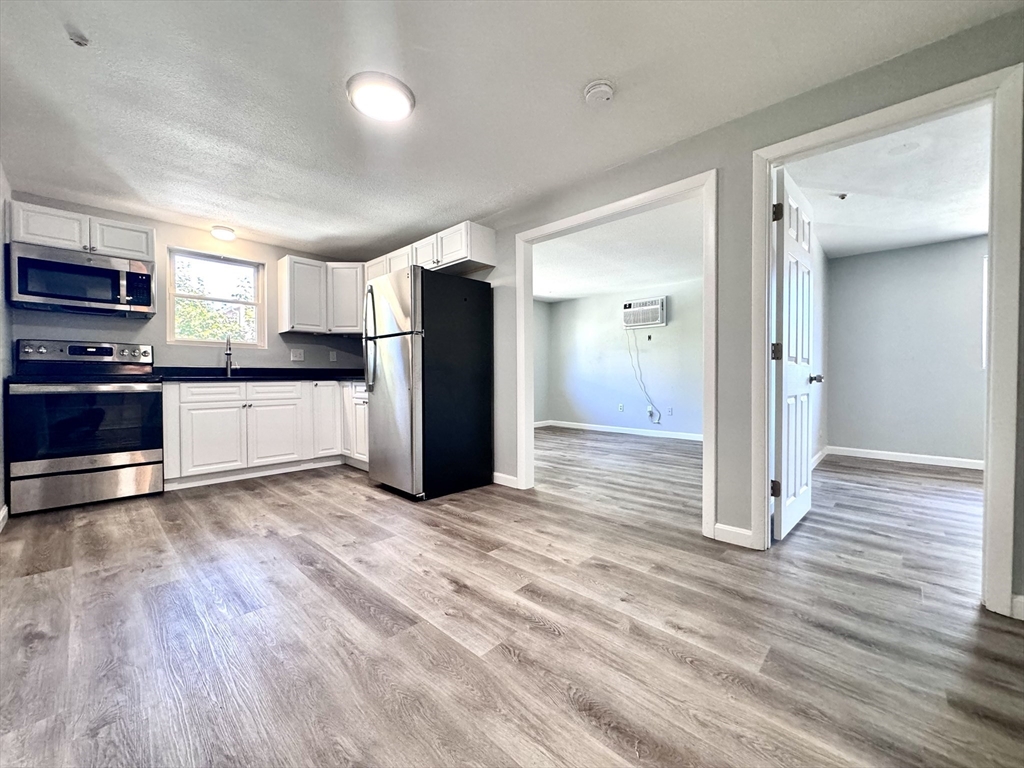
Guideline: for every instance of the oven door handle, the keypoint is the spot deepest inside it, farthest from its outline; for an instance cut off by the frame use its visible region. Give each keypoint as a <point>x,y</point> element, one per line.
<point>61,389</point>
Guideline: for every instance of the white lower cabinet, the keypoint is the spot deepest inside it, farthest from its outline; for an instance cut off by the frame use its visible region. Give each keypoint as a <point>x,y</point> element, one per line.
<point>361,448</point>
<point>275,432</point>
<point>327,420</point>
<point>212,438</point>
<point>227,426</point>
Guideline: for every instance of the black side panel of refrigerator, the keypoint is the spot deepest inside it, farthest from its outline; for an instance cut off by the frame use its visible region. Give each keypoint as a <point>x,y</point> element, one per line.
<point>458,384</point>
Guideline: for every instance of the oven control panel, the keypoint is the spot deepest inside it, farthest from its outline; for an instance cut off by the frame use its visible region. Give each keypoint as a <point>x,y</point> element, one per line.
<point>83,351</point>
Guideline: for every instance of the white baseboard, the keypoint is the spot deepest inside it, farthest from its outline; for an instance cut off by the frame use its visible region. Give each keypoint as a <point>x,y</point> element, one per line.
<point>741,537</point>
<point>1017,607</point>
<point>547,423</point>
<point>908,458</point>
<point>510,480</point>
<point>818,457</point>
<point>622,430</point>
<point>357,463</point>
<point>195,481</point>
<point>3,516</point>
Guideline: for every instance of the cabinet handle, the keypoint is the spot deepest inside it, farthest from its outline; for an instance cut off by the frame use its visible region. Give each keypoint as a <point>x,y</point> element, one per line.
<point>85,247</point>
<point>92,248</point>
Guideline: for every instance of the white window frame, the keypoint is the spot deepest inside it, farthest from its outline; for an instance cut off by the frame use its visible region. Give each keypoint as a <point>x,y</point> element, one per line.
<point>260,303</point>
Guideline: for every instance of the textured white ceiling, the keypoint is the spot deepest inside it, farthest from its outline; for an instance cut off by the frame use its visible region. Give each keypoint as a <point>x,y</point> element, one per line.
<point>235,112</point>
<point>925,184</point>
<point>657,247</point>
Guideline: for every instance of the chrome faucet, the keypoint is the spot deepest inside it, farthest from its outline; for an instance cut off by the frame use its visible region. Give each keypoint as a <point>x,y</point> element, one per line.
<point>228,365</point>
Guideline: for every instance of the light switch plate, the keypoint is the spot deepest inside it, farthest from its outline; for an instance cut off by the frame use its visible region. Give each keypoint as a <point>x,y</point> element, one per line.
<point>297,355</point>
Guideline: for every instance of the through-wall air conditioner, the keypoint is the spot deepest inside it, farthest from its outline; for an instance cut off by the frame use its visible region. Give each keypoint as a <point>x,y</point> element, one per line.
<point>644,313</point>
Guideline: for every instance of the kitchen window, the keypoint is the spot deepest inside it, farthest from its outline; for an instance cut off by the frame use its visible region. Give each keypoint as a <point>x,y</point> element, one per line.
<point>214,297</point>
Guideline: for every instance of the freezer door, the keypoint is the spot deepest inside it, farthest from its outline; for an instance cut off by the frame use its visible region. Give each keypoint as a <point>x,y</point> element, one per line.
<point>391,303</point>
<point>396,412</point>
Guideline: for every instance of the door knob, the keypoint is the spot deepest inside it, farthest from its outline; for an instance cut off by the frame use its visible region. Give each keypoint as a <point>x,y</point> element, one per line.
<point>817,379</point>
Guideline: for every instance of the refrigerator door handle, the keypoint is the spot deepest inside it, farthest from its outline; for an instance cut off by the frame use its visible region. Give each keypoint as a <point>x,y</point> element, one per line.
<point>371,370</point>
<point>369,302</point>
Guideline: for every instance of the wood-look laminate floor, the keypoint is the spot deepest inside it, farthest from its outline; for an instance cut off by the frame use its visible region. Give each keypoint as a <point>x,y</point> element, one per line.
<point>310,619</point>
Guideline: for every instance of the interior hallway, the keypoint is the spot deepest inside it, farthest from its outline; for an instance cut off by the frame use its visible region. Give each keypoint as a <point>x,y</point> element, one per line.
<point>311,619</point>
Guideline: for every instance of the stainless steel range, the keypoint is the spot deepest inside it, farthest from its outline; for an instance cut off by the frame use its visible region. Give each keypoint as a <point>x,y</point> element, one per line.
<point>83,422</point>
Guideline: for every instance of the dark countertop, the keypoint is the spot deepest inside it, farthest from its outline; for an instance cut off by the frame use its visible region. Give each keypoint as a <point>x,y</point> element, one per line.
<point>190,373</point>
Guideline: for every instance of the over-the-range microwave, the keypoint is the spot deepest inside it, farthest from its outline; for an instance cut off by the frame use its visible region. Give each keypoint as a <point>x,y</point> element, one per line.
<point>55,278</point>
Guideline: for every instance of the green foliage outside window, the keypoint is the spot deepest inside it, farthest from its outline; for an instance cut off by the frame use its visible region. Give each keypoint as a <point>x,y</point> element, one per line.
<point>227,307</point>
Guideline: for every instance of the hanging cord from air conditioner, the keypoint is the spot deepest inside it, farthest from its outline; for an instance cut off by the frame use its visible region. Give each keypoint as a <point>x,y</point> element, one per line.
<point>638,374</point>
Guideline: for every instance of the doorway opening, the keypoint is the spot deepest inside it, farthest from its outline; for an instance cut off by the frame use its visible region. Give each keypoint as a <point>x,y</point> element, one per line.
<point>891,315</point>
<point>574,280</point>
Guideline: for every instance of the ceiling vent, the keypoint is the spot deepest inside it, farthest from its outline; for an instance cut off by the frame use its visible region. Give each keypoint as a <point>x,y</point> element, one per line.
<point>598,93</point>
<point>644,313</point>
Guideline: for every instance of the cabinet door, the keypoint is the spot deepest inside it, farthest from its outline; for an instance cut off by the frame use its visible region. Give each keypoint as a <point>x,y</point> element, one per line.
<point>453,244</point>
<point>49,226</point>
<point>424,252</point>
<point>212,438</point>
<point>303,295</point>
<point>344,298</point>
<point>116,238</point>
<point>361,448</point>
<point>274,432</point>
<point>400,259</point>
<point>327,419</point>
<point>348,420</point>
<point>376,268</point>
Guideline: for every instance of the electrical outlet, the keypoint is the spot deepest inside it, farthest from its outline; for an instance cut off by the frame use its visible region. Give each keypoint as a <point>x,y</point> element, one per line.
<point>334,356</point>
<point>297,355</point>
<point>620,407</point>
<point>669,411</point>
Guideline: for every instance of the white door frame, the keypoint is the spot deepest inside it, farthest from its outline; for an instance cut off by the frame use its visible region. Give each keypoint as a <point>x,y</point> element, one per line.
<point>703,185</point>
<point>1004,90</point>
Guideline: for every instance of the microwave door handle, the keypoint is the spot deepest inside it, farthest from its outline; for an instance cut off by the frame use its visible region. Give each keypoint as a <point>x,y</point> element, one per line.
<point>125,298</point>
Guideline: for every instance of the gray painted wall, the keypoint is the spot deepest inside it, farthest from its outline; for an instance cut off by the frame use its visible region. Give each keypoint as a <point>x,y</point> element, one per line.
<point>589,371</point>
<point>541,350</point>
<point>728,148</point>
<point>62,326</point>
<point>905,350</point>
<point>819,358</point>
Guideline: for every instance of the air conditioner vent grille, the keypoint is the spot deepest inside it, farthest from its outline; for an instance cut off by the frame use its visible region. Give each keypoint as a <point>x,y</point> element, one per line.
<point>644,313</point>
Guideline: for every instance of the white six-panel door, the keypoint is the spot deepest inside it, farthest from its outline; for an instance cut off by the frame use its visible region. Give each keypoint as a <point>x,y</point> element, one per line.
<point>794,329</point>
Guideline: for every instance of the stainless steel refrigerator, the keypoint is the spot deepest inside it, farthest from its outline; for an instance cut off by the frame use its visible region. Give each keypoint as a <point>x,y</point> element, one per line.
<point>428,346</point>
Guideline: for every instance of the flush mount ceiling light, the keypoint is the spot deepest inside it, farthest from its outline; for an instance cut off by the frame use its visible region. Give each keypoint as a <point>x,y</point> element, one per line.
<point>222,233</point>
<point>380,96</point>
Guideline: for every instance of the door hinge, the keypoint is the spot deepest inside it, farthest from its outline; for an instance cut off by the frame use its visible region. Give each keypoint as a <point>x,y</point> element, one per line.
<point>776,489</point>
<point>777,212</point>
<point>776,350</point>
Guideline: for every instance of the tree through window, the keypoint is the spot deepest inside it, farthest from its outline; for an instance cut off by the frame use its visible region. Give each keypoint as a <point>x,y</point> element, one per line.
<point>214,297</point>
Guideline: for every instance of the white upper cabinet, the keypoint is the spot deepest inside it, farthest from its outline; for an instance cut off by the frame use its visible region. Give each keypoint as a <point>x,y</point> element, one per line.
<point>63,229</point>
<point>320,296</point>
<point>48,226</point>
<point>399,259</point>
<point>345,297</point>
<point>424,253</point>
<point>376,268</point>
<point>466,247</point>
<point>302,295</point>
<point>116,238</point>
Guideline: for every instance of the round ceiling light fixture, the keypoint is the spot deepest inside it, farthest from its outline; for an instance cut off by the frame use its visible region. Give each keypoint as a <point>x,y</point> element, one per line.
<point>222,233</point>
<point>380,96</point>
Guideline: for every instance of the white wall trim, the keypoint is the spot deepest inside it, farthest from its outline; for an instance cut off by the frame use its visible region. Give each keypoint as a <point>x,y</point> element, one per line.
<point>818,457</point>
<point>545,423</point>
<point>733,535</point>
<point>704,185</point>
<point>1017,607</point>
<point>625,430</point>
<point>1005,89</point>
<point>4,516</point>
<point>509,480</point>
<point>906,458</point>
<point>214,478</point>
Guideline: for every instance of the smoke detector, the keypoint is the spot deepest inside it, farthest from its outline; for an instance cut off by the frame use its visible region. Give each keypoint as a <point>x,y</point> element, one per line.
<point>598,93</point>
